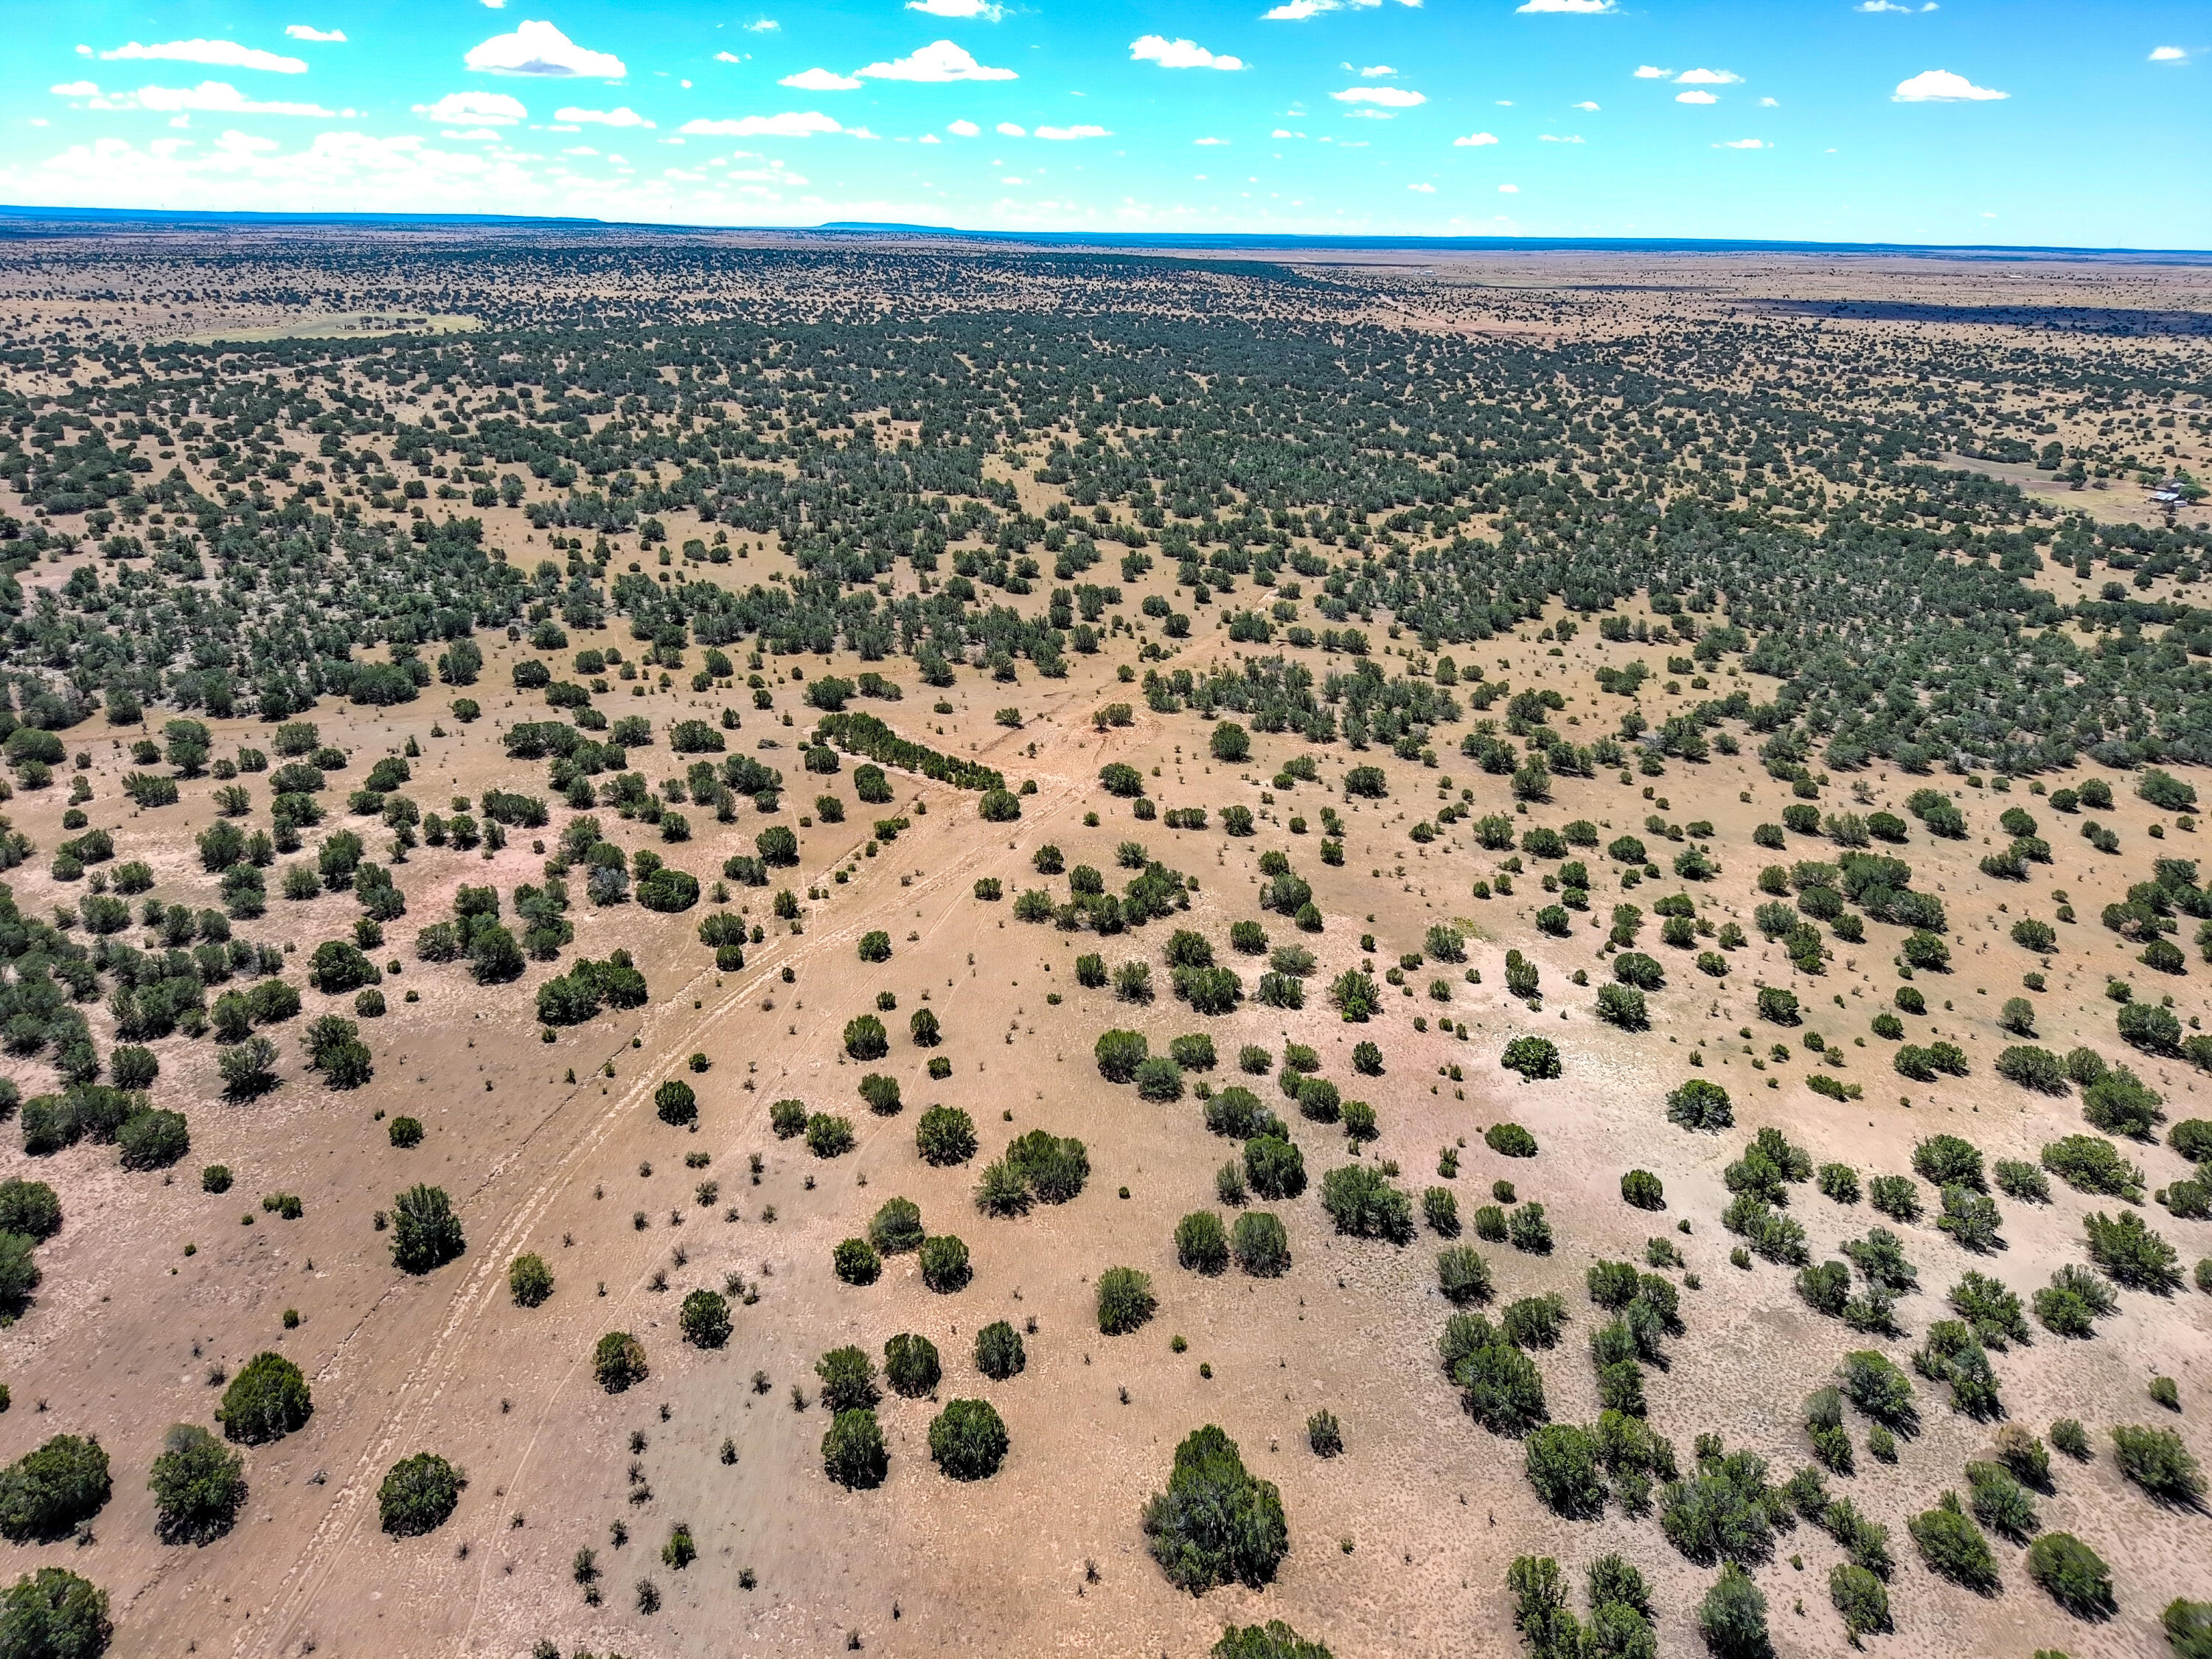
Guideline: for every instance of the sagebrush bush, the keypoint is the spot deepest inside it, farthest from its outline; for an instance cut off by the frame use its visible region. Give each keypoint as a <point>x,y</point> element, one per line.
<point>418,1494</point>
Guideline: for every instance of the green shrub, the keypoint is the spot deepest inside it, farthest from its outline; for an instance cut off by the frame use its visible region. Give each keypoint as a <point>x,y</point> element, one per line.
<point>266,1401</point>
<point>529,1280</point>
<point>911,1364</point>
<point>2131,1254</point>
<point>704,1319</point>
<point>1363,1205</point>
<point>968,1440</point>
<point>945,1135</point>
<point>897,1226</point>
<point>48,1491</point>
<point>1119,1053</point>
<point>1862,1598</point>
<point>1463,1275</point>
<point>828,1135</point>
<point>1561,1462</point>
<point>54,1614</point>
<point>1509,1140</point>
<point>1201,1242</point>
<point>865,1038</point>
<point>945,1266</point>
<point>2071,1574</point>
<point>30,1208</point>
<point>1533,1057</point>
<point>852,1452</point>
<point>1274,1640</point>
<point>197,1485</point>
<point>674,1103</point>
<point>856,1262</point>
<point>998,1351</point>
<point>618,1362</point>
<point>2188,1627</point>
<point>1275,1167</point>
<point>426,1234</point>
<point>1953,1547</point>
<point>1215,1524</point>
<point>1698,1105</point>
<point>418,1494</point>
<point>1260,1244</point>
<point>2158,1462</point>
<point>1126,1301</point>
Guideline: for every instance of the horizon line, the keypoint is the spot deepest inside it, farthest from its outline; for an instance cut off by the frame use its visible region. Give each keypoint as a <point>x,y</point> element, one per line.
<point>1226,240</point>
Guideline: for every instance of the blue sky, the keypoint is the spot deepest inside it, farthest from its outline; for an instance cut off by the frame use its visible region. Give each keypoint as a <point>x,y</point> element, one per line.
<point>1965,121</point>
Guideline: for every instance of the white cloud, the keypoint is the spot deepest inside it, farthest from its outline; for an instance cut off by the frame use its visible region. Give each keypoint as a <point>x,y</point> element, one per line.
<point>1211,142</point>
<point>579,150</point>
<point>540,49</point>
<point>1586,7</point>
<point>938,61</point>
<point>225,54</point>
<point>1280,132</point>
<point>485,108</point>
<point>927,138</point>
<point>763,26</point>
<point>214,97</point>
<point>1770,103</point>
<point>1651,72</point>
<point>1008,129</point>
<point>1473,139</point>
<point>1941,86</point>
<point>1390,97</point>
<point>1296,11</point>
<point>306,32</point>
<point>1179,54</point>
<point>1426,189</point>
<point>1705,77</point>
<point>1063,134</point>
<point>1375,70</point>
<point>1586,104</point>
<point>732,56</point>
<point>1695,98</point>
<point>983,8</point>
<point>622,116</point>
<point>963,128</point>
<point>1509,190</point>
<point>1744,143</point>
<point>1891,5</point>
<point>473,135</point>
<point>1554,138</point>
<point>75,90</point>
<point>821,80</point>
<point>2169,55</point>
<point>792,123</point>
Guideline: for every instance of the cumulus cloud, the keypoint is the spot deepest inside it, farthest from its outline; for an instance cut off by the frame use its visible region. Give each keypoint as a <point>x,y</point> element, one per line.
<point>1705,77</point>
<point>793,124</point>
<point>211,97</point>
<point>732,56</point>
<point>304,32</point>
<point>1473,139</point>
<point>1892,5</point>
<point>1695,98</point>
<point>1374,71</point>
<point>1651,72</point>
<point>224,54</point>
<point>1941,86</point>
<point>1557,138</point>
<point>978,9</point>
<point>2169,54</point>
<point>963,128</point>
<point>1426,189</point>
<point>1586,7</point>
<point>484,108</point>
<point>622,116</point>
<point>821,80</point>
<point>1179,54</point>
<point>1586,104</point>
<point>762,26</point>
<point>1008,129</point>
<point>1390,97</point>
<point>1063,134</point>
<point>1296,11</point>
<point>1509,190</point>
<point>938,61</point>
<point>540,49</point>
<point>1744,143</point>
